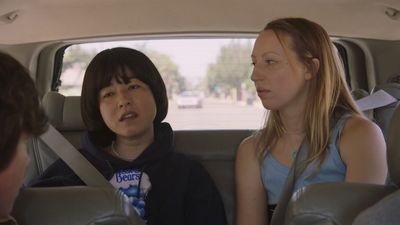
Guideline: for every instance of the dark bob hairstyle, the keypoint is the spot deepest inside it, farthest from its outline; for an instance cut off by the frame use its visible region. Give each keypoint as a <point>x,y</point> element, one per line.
<point>111,63</point>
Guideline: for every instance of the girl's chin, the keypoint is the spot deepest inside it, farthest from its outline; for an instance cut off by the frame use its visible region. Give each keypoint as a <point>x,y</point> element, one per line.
<point>269,106</point>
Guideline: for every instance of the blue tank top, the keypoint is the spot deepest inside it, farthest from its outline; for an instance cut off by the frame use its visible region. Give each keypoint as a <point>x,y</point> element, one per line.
<point>333,169</point>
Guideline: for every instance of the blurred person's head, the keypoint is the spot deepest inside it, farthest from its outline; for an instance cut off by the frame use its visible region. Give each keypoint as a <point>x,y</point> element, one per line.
<point>20,117</point>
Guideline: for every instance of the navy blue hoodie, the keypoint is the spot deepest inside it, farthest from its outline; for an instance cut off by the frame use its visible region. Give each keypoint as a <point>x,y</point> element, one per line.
<point>165,187</point>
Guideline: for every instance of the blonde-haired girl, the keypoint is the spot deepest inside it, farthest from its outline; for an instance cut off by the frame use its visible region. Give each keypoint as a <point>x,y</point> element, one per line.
<point>300,80</point>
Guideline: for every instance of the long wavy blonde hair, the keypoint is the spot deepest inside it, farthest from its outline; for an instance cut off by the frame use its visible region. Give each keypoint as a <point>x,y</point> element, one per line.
<point>328,89</point>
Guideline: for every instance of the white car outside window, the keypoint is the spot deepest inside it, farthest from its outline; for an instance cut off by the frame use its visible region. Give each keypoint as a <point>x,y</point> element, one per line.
<point>189,99</point>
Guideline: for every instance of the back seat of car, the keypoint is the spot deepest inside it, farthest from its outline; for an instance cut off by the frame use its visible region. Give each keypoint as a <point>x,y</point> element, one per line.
<point>215,149</point>
<point>78,205</point>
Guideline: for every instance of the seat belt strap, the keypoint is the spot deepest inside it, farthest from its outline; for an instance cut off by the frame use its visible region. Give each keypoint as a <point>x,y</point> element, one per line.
<point>278,218</point>
<point>74,159</point>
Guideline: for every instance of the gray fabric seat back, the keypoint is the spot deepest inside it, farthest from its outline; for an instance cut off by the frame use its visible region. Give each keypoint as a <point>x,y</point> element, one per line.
<point>383,115</point>
<point>359,93</point>
<point>336,203</point>
<point>393,147</point>
<point>64,114</point>
<point>385,211</point>
<point>216,151</point>
<point>79,205</point>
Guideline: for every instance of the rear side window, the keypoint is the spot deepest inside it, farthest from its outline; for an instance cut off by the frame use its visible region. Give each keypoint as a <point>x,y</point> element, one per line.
<point>343,56</point>
<point>207,79</point>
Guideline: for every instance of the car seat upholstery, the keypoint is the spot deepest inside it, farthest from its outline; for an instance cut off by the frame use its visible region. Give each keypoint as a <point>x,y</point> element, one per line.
<point>79,205</point>
<point>383,114</point>
<point>340,203</point>
<point>386,210</point>
<point>359,94</point>
<point>64,115</point>
<point>214,149</point>
<point>393,147</point>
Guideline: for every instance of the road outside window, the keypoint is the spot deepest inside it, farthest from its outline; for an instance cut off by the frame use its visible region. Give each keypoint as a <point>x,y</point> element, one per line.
<point>207,79</point>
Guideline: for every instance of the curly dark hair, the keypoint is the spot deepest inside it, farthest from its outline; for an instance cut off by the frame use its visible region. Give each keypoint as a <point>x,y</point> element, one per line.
<point>20,109</point>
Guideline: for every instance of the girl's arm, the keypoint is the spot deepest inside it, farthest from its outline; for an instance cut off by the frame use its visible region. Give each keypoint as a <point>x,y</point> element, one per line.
<point>363,150</point>
<point>251,201</point>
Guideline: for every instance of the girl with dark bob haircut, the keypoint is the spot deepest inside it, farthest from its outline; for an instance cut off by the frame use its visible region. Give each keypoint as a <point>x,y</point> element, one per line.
<point>124,102</point>
<point>106,65</point>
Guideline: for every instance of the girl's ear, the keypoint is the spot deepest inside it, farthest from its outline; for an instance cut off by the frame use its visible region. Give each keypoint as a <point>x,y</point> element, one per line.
<point>312,70</point>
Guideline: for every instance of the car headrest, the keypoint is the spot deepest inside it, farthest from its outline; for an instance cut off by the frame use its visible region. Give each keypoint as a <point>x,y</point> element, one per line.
<point>77,205</point>
<point>359,93</point>
<point>64,112</point>
<point>333,203</point>
<point>393,147</point>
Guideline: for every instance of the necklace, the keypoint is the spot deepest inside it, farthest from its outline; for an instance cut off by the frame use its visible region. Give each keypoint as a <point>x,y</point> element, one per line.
<point>293,150</point>
<point>294,154</point>
<point>113,150</point>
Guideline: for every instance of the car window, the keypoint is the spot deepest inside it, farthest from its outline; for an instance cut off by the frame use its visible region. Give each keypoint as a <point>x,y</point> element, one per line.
<point>207,79</point>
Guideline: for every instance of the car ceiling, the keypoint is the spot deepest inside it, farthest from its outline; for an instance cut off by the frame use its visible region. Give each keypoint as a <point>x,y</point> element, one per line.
<point>28,21</point>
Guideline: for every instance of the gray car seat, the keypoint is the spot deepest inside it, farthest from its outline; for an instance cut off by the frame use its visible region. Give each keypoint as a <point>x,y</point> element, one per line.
<point>386,211</point>
<point>383,114</point>
<point>214,149</point>
<point>339,203</point>
<point>78,205</point>
<point>64,115</point>
<point>359,93</point>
